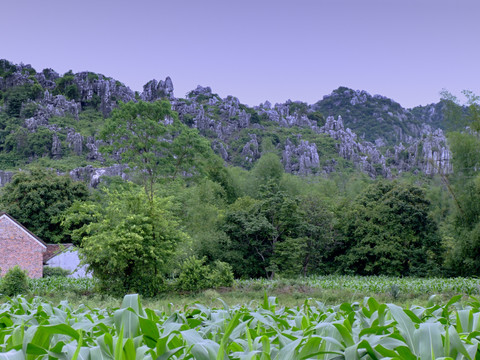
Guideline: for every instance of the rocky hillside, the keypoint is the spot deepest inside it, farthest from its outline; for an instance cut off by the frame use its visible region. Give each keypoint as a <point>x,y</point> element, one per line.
<point>54,120</point>
<point>379,119</point>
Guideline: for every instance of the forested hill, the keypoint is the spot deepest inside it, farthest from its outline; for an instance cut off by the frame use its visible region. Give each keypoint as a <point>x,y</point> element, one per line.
<point>54,120</point>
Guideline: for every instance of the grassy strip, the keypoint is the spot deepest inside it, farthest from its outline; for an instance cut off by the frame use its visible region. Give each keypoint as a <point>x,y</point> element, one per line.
<point>288,293</point>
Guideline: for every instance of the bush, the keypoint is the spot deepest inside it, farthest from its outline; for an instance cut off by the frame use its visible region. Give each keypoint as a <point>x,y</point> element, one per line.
<point>28,110</point>
<point>55,271</point>
<point>72,92</point>
<point>195,275</point>
<point>222,274</point>
<point>15,282</point>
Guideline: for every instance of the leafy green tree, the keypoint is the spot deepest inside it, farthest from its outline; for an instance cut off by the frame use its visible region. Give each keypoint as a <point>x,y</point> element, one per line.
<point>7,125</point>
<point>37,198</point>
<point>194,275</point>
<point>247,249</point>
<point>66,86</point>
<point>26,145</point>
<point>216,171</point>
<point>72,92</point>
<point>289,256</point>
<point>39,142</point>
<point>281,211</point>
<point>149,138</point>
<point>454,113</point>
<point>268,169</point>
<point>318,234</point>
<point>16,96</point>
<point>464,183</point>
<point>17,141</point>
<point>256,229</point>
<point>201,209</point>
<point>130,240</point>
<point>388,230</point>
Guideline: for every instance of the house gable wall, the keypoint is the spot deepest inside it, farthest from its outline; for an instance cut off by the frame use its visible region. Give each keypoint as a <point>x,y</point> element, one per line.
<point>18,247</point>
<point>69,260</point>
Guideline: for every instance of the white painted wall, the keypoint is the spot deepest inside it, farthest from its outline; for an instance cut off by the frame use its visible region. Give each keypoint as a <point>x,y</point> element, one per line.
<point>68,259</point>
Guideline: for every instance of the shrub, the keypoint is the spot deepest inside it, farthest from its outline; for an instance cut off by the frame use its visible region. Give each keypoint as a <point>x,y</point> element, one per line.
<point>72,92</point>
<point>39,142</point>
<point>92,76</point>
<point>28,110</point>
<point>188,119</point>
<point>195,275</point>
<point>222,274</point>
<point>15,282</point>
<point>49,271</point>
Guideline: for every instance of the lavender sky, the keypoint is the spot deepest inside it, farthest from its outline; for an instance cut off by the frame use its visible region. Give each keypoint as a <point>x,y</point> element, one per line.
<point>258,50</point>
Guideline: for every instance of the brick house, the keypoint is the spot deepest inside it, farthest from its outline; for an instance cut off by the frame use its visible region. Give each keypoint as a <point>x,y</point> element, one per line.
<point>19,246</point>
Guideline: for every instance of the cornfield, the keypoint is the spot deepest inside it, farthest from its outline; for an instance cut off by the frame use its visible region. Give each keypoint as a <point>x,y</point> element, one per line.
<point>61,284</point>
<point>363,284</point>
<point>373,284</point>
<point>34,329</point>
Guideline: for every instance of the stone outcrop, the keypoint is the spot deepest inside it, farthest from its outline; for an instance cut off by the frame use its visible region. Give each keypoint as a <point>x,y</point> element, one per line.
<point>205,91</point>
<point>301,159</point>
<point>47,78</point>
<point>88,174</point>
<point>429,154</point>
<point>5,177</point>
<point>223,118</point>
<point>93,176</point>
<point>108,92</point>
<point>17,75</point>
<point>56,147</point>
<point>211,115</point>
<point>436,156</point>
<point>370,116</point>
<point>154,90</point>
<point>282,115</point>
<point>359,97</point>
<point>93,147</point>
<point>250,151</point>
<point>221,149</point>
<point>365,156</point>
<point>49,107</point>
<point>75,142</point>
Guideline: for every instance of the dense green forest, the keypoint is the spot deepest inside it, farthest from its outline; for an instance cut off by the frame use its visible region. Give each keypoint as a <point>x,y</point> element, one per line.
<point>186,212</point>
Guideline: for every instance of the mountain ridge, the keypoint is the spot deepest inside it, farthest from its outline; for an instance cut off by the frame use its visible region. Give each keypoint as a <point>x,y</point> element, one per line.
<point>45,115</point>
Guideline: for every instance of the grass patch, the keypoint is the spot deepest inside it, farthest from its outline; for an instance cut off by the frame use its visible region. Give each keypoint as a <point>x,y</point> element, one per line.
<point>290,292</point>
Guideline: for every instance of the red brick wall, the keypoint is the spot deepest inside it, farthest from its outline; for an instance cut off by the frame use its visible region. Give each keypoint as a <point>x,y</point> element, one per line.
<point>17,247</point>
